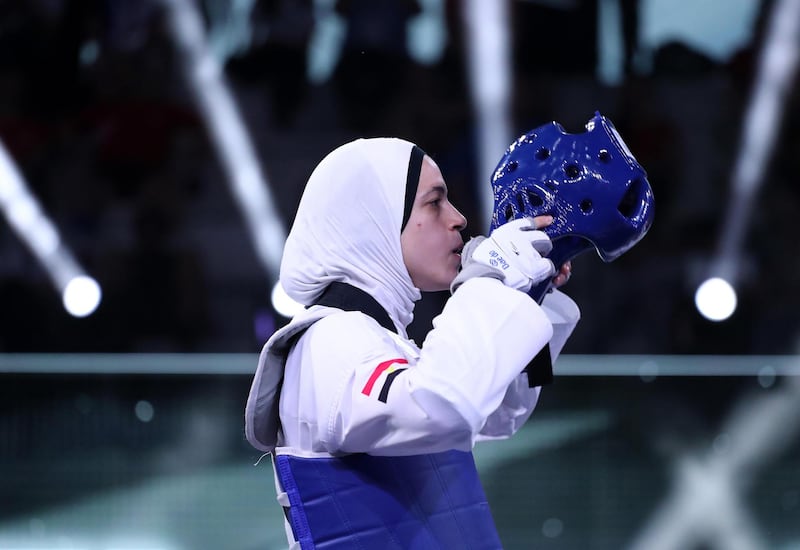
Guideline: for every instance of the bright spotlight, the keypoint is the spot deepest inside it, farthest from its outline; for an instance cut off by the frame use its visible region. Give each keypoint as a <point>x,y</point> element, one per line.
<point>81,296</point>
<point>715,299</point>
<point>283,304</point>
<point>27,219</point>
<point>777,65</point>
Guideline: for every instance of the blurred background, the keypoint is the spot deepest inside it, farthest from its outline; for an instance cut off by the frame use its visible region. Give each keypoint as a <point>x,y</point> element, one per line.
<point>152,155</point>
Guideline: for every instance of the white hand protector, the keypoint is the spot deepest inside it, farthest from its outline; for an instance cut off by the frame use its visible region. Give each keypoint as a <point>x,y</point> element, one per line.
<point>514,253</point>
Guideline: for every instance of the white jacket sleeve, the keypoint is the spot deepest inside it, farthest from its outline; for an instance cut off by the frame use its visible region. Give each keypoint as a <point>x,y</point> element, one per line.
<point>564,313</point>
<point>361,390</point>
<point>520,399</point>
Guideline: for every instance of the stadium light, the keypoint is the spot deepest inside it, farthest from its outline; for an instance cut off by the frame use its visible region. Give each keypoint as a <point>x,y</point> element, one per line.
<point>776,68</point>
<point>80,293</point>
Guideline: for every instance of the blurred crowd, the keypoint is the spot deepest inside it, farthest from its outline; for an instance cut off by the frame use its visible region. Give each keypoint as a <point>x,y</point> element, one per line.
<point>97,113</point>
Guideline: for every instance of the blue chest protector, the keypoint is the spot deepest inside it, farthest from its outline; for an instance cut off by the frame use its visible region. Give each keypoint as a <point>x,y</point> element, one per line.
<point>390,503</point>
<point>360,501</point>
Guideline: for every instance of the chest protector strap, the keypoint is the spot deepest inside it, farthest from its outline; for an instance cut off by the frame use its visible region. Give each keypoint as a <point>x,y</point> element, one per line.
<point>361,501</point>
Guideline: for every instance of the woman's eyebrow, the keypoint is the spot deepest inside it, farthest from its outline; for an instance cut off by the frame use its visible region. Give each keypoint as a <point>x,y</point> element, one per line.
<point>438,189</point>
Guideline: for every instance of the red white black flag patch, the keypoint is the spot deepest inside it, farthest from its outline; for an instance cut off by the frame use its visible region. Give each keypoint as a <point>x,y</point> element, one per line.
<point>391,369</point>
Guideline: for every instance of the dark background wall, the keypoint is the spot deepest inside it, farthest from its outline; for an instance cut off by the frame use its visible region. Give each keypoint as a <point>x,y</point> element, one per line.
<point>98,116</point>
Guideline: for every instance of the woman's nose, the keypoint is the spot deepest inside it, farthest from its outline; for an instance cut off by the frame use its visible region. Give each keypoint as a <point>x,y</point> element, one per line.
<point>459,221</point>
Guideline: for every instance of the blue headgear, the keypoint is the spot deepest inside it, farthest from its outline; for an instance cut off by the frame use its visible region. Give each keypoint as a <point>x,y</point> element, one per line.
<point>590,183</point>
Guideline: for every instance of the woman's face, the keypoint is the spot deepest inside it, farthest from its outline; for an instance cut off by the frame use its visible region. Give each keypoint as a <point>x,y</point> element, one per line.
<point>431,241</point>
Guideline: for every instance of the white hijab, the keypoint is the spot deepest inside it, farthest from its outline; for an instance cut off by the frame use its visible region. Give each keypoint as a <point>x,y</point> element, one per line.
<point>348,225</point>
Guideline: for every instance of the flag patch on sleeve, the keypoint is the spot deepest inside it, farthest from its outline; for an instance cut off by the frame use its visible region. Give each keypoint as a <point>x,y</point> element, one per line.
<point>391,369</point>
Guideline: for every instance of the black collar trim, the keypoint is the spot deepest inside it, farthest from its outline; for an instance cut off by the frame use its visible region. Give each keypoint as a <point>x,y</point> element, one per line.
<point>349,298</point>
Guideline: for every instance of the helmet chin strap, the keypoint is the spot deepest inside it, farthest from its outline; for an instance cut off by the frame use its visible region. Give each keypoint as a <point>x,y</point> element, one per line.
<point>591,184</point>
